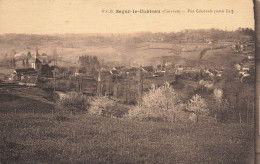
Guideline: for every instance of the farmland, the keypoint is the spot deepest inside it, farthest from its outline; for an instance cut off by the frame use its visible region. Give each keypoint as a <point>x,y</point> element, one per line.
<point>122,49</point>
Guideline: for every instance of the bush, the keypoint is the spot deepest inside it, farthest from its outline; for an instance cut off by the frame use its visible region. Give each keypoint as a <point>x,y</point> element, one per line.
<point>197,105</point>
<point>101,105</point>
<point>159,103</point>
<point>72,102</point>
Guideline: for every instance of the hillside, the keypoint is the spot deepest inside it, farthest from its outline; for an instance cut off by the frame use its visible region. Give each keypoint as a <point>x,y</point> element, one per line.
<point>137,48</point>
<point>36,135</point>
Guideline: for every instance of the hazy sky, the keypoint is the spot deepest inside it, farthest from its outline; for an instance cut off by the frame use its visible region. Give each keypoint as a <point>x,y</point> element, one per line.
<point>85,16</point>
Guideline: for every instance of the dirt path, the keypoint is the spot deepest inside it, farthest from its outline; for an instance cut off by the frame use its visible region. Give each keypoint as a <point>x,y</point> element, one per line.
<point>204,51</point>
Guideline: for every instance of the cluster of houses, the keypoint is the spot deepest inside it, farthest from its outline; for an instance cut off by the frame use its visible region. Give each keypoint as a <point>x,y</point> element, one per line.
<point>206,76</point>
<point>39,69</point>
<point>36,67</point>
<point>159,70</point>
<point>121,82</point>
<point>240,46</point>
<point>127,72</point>
<point>248,64</point>
<point>29,74</point>
<point>245,67</point>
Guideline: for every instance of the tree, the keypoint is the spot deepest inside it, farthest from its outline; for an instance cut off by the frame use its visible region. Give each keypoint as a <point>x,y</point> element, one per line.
<point>95,60</point>
<point>90,63</point>
<point>220,109</point>
<point>229,75</point>
<point>29,55</point>
<point>158,103</point>
<point>13,62</point>
<point>101,105</point>
<point>197,105</point>
<point>27,61</point>
<point>72,102</point>
<point>55,55</point>
<point>246,100</point>
<point>64,71</point>
<point>232,91</point>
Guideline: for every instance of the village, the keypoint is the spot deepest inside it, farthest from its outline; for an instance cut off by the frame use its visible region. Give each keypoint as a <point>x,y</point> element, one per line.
<point>121,82</point>
<point>133,81</point>
<point>91,90</point>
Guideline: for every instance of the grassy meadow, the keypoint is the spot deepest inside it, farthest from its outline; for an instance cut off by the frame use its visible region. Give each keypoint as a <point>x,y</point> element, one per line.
<point>34,135</point>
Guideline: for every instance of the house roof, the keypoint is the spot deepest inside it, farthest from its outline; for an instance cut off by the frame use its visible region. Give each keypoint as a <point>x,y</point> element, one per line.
<point>26,71</point>
<point>37,60</point>
<point>29,54</point>
<point>37,53</point>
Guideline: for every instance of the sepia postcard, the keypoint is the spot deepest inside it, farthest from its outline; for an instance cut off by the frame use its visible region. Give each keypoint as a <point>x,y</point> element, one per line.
<point>133,81</point>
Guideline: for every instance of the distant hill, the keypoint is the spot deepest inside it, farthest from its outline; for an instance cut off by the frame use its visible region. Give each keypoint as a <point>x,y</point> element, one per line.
<point>119,48</point>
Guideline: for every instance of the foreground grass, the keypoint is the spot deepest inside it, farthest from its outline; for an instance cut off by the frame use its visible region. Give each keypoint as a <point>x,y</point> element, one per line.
<point>20,99</point>
<point>44,138</point>
<point>33,135</point>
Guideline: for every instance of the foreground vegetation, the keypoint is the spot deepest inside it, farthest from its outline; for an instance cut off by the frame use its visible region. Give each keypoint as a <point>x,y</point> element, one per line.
<point>36,134</point>
<point>49,138</point>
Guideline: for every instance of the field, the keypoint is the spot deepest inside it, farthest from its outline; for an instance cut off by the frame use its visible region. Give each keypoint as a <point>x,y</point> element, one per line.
<point>124,50</point>
<point>35,135</point>
<point>221,57</point>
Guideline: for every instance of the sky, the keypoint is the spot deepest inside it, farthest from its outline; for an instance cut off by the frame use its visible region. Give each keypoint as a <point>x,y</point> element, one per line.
<point>85,16</point>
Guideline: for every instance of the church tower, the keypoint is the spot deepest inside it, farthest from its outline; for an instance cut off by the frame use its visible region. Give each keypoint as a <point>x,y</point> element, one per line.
<point>37,65</point>
<point>37,53</point>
